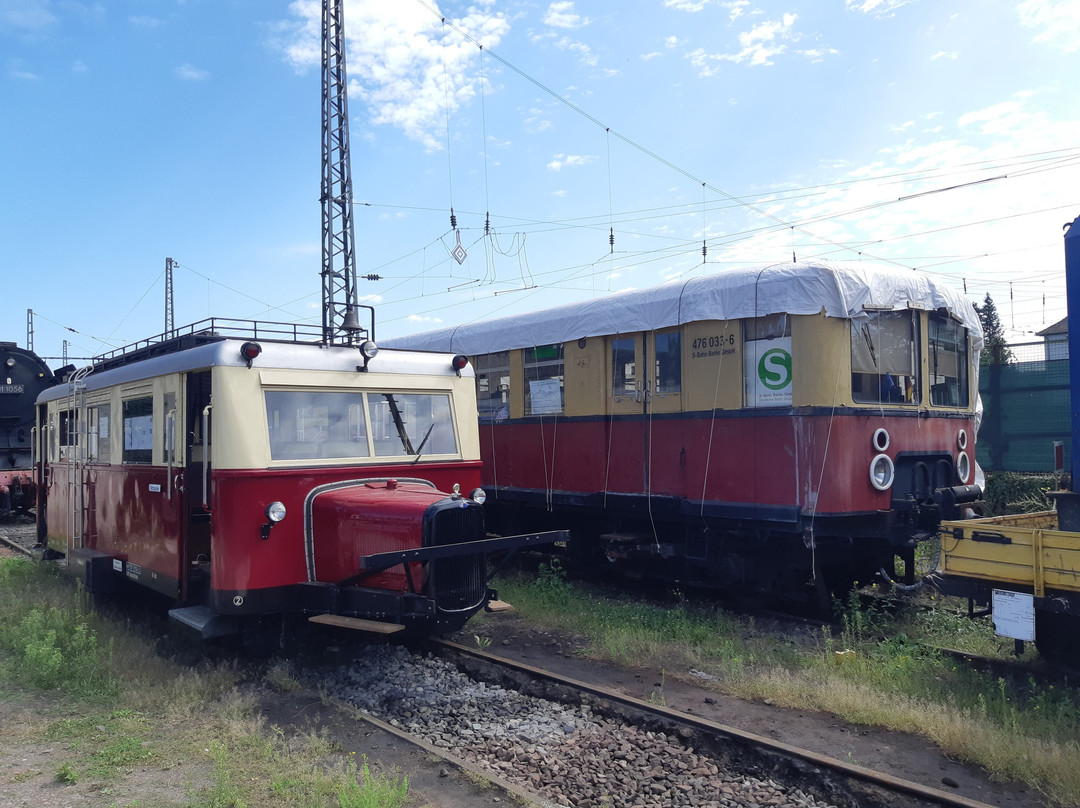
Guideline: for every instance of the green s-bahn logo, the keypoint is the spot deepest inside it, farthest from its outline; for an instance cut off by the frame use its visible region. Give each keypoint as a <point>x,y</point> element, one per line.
<point>774,369</point>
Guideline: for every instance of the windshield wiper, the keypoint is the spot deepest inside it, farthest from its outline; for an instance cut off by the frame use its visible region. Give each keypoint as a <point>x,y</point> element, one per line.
<point>420,448</point>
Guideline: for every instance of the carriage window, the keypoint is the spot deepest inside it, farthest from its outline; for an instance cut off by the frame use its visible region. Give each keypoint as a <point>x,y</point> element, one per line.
<point>669,362</point>
<point>767,369</point>
<point>307,425</point>
<point>492,386</point>
<point>98,433</point>
<point>884,358</point>
<point>138,430</point>
<point>544,392</point>
<point>412,424</point>
<point>948,362</point>
<point>623,366</point>
<point>67,434</point>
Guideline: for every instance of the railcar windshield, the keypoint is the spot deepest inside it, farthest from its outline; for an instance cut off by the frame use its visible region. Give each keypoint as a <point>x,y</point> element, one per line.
<point>884,358</point>
<point>948,345</point>
<point>319,425</point>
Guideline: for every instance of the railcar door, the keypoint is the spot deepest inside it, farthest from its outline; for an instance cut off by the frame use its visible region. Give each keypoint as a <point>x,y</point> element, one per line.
<point>194,482</point>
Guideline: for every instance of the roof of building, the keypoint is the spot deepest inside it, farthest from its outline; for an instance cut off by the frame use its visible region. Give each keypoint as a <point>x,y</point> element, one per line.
<point>1060,327</point>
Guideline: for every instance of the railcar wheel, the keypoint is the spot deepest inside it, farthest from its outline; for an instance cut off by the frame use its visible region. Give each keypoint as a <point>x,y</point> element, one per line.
<point>1057,636</point>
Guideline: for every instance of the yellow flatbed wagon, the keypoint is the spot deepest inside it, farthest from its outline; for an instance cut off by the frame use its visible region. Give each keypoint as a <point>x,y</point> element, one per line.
<point>1025,569</point>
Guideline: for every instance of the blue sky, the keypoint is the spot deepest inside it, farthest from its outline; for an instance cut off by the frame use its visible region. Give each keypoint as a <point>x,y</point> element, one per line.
<point>941,136</point>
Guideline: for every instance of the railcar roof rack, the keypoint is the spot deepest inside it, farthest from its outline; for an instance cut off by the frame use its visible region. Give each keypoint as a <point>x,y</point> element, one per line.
<point>213,329</point>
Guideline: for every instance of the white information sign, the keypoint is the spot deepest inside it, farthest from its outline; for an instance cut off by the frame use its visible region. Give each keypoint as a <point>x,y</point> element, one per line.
<point>767,371</point>
<point>546,396</point>
<point>1014,615</point>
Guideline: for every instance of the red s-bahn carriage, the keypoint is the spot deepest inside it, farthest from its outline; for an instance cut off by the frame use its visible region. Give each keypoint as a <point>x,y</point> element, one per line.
<point>246,472</point>
<point>755,429</point>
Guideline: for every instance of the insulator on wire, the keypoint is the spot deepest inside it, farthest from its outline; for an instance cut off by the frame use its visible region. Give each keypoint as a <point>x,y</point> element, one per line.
<point>611,239</point>
<point>372,277</point>
<point>704,250</point>
<point>487,223</point>
<point>453,220</point>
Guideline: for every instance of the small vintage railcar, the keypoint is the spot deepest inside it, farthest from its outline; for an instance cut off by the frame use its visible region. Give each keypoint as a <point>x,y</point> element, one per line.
<point>23,376</point>
<point>755,429</point>
<point>248,473</point>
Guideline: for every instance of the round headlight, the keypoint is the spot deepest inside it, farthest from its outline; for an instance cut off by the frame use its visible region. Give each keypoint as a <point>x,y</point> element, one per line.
<point>881,439</point>
<point>478,495</point>
<point>882,472</point>
<point>368,349</point>
<point>275,511</point>
<point>961,439</point>
<point>963,467</point>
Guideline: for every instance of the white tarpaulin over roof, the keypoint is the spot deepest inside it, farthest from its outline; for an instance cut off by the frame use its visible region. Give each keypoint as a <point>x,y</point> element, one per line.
<point>838,289</point>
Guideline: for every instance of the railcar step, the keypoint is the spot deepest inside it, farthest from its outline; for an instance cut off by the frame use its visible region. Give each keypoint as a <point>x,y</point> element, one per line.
<point>357,623</point>
<point>205,622</point>
<point>499,606</point>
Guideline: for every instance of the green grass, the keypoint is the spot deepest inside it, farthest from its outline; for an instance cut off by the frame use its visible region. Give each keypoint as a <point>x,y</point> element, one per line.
<point>97,693</point>
<point>875,667</point>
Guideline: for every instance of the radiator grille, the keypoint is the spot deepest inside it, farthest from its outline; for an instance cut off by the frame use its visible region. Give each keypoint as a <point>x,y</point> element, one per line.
<point>457,584</point>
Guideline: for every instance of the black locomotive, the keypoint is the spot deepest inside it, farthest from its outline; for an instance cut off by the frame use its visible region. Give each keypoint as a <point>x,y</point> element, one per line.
<point>23,377</point>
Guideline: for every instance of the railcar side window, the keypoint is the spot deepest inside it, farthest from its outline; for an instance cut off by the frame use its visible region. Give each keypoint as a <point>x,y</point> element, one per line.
<point>884,358</point>
<point>669,362</point>
<point>948,346</point>
<point>492,386</point>
<point>98,433</point>
<point>138,430</point>
<point>310,425</point>
<point>544,393</point>
<point>623,366</point>
<point>68,434</point>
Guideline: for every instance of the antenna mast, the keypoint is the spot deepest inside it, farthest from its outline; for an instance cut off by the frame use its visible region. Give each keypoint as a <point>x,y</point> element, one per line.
<point>340,323</point>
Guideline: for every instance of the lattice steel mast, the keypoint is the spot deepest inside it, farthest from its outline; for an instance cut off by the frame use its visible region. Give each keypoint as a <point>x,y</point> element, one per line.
<point>340,323</point>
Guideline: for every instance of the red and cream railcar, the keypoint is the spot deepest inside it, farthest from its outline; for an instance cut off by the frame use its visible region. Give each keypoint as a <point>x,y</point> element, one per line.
<point>266,475</point>
<point>753,429</point>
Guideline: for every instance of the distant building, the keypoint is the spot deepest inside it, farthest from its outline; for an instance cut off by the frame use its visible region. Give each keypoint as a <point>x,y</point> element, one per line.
<point>1056,339</point>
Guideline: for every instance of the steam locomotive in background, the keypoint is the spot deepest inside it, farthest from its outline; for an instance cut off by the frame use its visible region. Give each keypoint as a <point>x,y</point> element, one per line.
<point>24,376</point>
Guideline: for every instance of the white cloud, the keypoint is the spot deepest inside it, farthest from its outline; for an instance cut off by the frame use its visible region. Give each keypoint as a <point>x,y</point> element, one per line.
<point>26,15</point>
<point>410,70</point>
<point>759,45</point>
<point>559,161</point>
<point>879,8</point>
<point>189,72</point>
<point>562,15</point>
<point>945,55</point>
<point>1058,19</point>
<point>648,57</point>
<point>423,318</point>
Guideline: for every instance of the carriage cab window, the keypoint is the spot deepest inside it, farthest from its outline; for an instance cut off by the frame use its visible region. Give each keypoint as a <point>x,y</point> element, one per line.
<point>668,362</point>
<point>884,358</point>
<point>310,425</point>
<point>948,346</point>
<point>492,386</point>
<point>544,393</point>
<point>414,424</point>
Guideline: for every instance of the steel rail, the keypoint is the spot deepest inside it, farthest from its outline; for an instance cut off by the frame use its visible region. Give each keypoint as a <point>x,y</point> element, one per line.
<point>881,779</point>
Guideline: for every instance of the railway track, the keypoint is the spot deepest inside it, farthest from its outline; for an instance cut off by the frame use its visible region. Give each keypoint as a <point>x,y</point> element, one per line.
<point>554,740</point>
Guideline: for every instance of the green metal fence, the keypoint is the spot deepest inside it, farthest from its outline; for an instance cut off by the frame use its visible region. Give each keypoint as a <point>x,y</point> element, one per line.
<point>1025,411</point>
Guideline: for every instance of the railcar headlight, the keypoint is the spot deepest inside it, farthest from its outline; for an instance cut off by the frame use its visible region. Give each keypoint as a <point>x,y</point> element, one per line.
<point>961,439</point>
<point>963,467</point>
<point>369,350</point>
<point>478,495</point>
<point>881,439</point>
<point>882,472</point>
<point>275,511</point>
